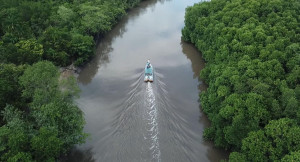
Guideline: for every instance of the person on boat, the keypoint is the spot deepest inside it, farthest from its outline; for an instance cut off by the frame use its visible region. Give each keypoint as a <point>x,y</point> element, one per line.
<point>148,64</point>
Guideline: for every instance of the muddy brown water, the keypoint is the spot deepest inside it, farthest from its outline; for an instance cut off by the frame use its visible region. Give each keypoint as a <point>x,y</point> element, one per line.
<point>133,121</point>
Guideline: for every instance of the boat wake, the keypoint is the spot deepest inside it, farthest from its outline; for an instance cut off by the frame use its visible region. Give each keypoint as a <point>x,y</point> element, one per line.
<point>150,117</point>
<point>136,124</point>
<point>143,122</point>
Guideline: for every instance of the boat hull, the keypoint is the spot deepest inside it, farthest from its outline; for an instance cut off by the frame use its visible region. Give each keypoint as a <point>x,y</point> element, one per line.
<point>147,79</point>
<point>148,76</point>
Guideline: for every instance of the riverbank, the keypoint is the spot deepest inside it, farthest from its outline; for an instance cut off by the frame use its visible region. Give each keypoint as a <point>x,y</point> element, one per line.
<point>252,54</point>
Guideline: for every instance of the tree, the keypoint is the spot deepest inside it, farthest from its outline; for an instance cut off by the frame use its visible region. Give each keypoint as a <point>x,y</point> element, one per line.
<point>51,124</point>
<point>274,142</point>
<point>251,50</point>
<point>294,156</point>
<point>65,15</point>
<point>56,42</point>
<point>29,51</point>
<point>82,48</point>
<point>237,157</point>
<point>40,119</point>
<point>14,135</point>
<point>64,117</point>
<point>10,90</point>
<point>94,20</point>
<point>40,78</point>
<point>46,144</point>
<point>52,107</point>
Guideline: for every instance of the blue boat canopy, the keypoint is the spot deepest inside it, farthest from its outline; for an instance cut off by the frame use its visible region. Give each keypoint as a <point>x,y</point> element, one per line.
<point>148,72</point>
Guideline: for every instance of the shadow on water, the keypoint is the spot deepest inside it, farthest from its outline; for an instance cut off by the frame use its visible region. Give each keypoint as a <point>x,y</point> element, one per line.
<point>78,155</point>
<point>198,64</point>
<point>197,61</point>
<point>104,45</point>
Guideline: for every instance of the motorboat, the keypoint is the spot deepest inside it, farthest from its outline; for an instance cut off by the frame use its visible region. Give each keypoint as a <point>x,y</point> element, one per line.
<point>148,72</point>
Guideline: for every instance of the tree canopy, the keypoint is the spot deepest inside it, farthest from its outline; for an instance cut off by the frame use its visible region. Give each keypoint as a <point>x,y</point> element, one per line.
<point>58,31</point>
<point>252,52</point>
<point>51,123</point>
<point>39,120</point>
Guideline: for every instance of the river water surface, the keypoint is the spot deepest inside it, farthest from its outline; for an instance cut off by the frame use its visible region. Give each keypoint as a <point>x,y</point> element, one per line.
<point>133,121</point>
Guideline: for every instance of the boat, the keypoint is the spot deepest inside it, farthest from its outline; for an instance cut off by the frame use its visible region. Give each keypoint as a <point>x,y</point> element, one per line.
<point>148,72</point>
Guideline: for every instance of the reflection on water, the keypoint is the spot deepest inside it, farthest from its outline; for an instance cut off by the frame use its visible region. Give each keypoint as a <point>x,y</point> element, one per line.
<point>104,45</point>
<point>133,121</point>
<point>79,155</point>
<point>197,62</point>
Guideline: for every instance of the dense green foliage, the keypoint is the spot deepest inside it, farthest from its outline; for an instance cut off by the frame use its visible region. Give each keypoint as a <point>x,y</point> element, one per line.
<point>10,91</point>
<point>252,51</point>
<point>39,120</point>
<point>49,124</point>
<point>58,31</point>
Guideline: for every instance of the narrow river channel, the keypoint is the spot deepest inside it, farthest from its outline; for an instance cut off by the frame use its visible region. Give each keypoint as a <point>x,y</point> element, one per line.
<point>133,121</point>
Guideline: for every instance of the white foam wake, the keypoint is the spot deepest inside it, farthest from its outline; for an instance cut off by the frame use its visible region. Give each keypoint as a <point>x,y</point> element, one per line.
<point>152,125</point>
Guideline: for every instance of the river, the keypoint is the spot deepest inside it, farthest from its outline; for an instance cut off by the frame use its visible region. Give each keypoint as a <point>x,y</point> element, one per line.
<point>133,121</point>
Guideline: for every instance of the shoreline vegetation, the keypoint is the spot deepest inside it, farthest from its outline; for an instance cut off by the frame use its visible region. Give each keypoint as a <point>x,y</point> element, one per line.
<point>39,118</point>
<point>252,53</point>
